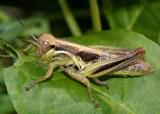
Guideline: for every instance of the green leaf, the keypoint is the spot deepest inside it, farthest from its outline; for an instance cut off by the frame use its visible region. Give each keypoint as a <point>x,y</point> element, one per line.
<point>62,95</point>
<point>13,29</point>
<point>8,48</point>
<point>148,23</point>
<point>6,106</point>
<point>141,16</point>
<point>3,16</point>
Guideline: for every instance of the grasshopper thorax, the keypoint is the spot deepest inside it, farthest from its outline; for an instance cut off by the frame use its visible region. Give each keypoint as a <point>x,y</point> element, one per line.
<point>45,42</point>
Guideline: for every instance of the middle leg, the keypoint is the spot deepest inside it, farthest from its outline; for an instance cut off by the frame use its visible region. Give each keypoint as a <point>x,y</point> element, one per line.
<point>99,82</point>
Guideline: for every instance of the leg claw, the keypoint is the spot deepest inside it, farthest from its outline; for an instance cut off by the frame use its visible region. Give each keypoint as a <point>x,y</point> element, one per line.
<point>27,88</point>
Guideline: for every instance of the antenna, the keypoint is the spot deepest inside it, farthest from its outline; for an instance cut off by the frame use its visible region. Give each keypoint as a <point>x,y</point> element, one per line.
<point>22,23</point>
<point>33,42</point>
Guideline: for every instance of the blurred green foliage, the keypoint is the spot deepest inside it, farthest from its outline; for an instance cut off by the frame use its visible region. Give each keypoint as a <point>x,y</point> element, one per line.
<point>139,16</point>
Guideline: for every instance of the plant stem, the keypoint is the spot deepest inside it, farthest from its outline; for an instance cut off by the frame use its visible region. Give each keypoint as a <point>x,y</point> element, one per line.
<point>70,19</point>
<point>96,21</point>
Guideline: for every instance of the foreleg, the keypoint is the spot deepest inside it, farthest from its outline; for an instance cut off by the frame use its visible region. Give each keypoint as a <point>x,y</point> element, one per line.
<point>41,79</point>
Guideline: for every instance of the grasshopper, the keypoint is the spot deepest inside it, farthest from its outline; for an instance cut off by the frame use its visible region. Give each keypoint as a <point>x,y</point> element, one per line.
<point>87,62</point>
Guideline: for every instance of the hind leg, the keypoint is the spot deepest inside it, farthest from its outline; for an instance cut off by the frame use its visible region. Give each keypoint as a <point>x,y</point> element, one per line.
<point>78,76</point>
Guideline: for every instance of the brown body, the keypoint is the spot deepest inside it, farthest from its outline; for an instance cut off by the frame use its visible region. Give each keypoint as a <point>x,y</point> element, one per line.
<point>110,55</point>
<point>87,53</point>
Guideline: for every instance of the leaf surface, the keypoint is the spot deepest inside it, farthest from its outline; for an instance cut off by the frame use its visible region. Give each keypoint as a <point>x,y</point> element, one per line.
<point>62,95</point>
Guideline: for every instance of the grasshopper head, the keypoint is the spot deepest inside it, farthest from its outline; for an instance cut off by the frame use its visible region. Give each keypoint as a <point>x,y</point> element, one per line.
<point>46,42</point>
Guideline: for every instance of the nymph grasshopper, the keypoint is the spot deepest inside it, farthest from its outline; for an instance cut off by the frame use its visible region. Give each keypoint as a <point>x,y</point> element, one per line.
<point>88,62</point>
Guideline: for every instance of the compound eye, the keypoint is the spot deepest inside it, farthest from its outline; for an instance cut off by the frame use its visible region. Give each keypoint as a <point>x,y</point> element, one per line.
<point>53,46</point>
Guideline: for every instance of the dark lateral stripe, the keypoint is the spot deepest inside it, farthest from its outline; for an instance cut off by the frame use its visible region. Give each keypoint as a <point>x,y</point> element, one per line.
<point>85,56</point>
<point>126,66</point>
<point>107,66</point>
<point>59,48</point>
